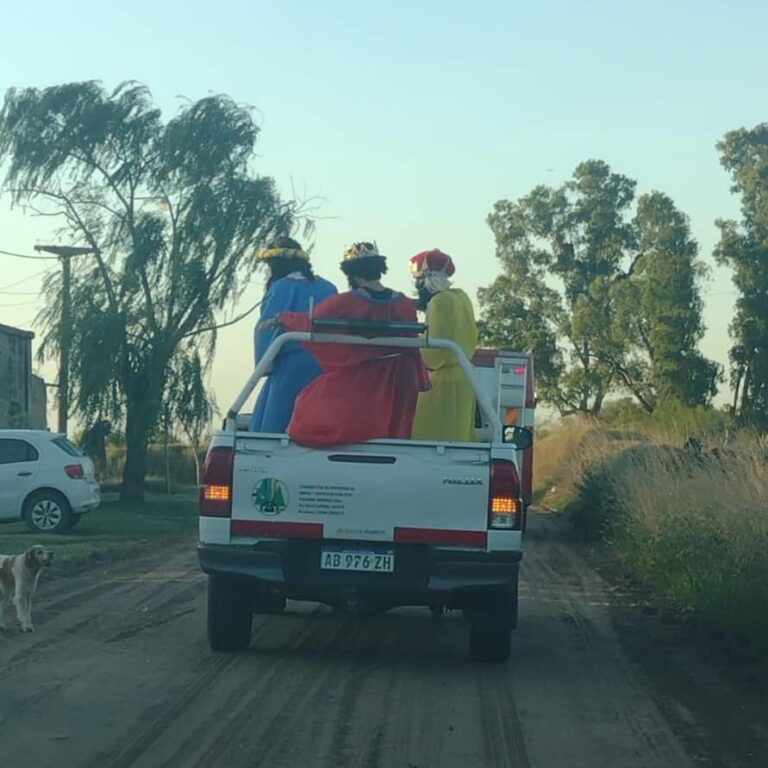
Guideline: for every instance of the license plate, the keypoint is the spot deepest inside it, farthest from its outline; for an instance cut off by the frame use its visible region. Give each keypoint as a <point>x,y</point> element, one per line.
<point>356,560</point>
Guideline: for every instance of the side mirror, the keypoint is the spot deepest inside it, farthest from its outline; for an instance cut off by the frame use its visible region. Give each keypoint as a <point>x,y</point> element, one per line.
<point>520,438</point>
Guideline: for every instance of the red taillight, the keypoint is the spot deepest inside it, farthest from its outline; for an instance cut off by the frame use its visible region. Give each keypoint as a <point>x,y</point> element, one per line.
<point>216,491</point>
<point>75,471</point>
<point>504,505</point>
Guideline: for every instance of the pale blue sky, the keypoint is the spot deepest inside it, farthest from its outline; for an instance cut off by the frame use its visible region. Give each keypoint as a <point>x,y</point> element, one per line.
<point>412,118</point>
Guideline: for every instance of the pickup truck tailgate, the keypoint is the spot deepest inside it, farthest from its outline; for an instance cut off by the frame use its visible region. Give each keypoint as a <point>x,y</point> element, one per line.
<point>383,490</point>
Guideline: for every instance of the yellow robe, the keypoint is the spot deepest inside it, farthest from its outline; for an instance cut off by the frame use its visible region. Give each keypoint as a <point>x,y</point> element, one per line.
<point>447,410</point>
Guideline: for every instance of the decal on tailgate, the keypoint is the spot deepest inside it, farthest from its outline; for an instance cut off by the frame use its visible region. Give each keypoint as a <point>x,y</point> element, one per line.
<point>270,496</point>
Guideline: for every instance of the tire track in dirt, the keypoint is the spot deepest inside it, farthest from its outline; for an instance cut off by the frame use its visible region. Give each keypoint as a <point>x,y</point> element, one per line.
<point>288,695</point>
<point>504,745</point>
<point>233,691</point>
<point>597,675</point>
<point>323,689</point>
<point>65,614</point>
<point>142,738</point>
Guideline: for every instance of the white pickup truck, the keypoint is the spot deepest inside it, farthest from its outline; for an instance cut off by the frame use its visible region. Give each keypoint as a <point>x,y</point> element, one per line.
<point>375,525</point>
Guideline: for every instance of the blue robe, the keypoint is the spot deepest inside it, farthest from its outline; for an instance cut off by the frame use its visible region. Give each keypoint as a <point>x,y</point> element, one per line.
<point>294,367</point>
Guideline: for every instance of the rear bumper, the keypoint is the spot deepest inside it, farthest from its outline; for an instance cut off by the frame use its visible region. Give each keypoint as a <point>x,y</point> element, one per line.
<point>423,574</point>
<point>85,498</point>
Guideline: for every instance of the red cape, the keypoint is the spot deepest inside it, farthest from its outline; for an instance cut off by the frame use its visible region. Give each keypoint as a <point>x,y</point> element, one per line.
<point>364,393</point>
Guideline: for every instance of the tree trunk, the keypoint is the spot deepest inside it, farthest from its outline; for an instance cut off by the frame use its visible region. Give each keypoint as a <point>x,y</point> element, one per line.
<point>744,403</point>
<point>167,452</point>
<point>737,391</point>
<point>597,405</point>
<point>195,454</point>
<point>140,416</point>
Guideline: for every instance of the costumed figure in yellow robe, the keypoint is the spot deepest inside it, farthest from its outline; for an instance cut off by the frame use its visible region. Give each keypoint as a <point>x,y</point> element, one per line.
<point>447,410</point>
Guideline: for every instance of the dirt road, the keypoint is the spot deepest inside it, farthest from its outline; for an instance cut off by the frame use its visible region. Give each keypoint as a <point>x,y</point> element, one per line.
<point>119,674</point>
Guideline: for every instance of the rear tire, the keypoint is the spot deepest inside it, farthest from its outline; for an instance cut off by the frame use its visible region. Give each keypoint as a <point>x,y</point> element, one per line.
<point>491,625</point>
<point>229,613</point>
<point>270,605</point>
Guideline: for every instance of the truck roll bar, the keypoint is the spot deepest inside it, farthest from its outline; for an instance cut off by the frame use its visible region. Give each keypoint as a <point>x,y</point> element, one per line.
<point>403,342</point>
<point>320,324</point>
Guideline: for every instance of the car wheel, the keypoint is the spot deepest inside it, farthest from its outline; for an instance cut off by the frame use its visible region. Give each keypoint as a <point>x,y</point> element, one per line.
<point>229,613</point>
<point>48,512</point>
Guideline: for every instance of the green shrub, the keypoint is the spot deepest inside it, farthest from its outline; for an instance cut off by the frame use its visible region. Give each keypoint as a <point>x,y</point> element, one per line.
<point>596,503</point>
<point>692,523</point>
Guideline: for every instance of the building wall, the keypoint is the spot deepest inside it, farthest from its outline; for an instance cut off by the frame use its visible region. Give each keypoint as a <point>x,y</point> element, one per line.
<point>20,395</point>
<point>38,404</point>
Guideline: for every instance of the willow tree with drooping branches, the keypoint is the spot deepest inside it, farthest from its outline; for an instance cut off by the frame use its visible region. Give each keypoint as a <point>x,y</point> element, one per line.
<point>173,212</point>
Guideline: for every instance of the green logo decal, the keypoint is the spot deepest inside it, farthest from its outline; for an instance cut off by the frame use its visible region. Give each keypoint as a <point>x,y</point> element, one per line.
<point>270,496</point>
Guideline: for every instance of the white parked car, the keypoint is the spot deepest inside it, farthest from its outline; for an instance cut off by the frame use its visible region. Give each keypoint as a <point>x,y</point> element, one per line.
<point>45,480</point>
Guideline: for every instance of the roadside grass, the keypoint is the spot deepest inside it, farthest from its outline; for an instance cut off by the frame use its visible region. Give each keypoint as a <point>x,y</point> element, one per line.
<point>563,454</point>
<point>698,535</point>
<point>114,529</point>
<point>692,526</point>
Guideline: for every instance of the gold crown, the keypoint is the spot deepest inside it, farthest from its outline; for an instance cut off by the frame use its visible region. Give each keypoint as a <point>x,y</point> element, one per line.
<point>287,253</point>
<point>361,251</point>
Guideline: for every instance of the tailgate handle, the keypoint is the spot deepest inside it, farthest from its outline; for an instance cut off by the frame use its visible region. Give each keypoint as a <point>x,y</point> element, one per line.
<point>347,458</point>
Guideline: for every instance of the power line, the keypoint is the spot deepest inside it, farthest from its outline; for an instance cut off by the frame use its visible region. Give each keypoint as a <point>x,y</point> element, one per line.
<point>19,293</point>
<point>18,304</point>
<point>22,281</point>
<point>28,256</point>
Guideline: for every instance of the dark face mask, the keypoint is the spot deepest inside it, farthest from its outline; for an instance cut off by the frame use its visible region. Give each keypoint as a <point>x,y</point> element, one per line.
<point>423,296</point>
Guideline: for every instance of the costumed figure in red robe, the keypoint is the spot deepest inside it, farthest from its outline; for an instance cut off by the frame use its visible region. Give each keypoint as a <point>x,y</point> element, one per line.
<point>364,392</point>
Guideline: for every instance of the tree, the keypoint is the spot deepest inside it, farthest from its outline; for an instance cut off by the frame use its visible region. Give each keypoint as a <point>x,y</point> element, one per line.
<point>173,212</point>
<point>560,250</point>
<point>607,300</point>
<point>510,321</point>
<point>744,247</point>
<point>190,404</point>
<point>659,311</point>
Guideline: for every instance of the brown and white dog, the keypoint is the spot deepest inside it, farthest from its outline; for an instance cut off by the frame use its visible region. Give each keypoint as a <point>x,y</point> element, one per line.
<point>19,575</point>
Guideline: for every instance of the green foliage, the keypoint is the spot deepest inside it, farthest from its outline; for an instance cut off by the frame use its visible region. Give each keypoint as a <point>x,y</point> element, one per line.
<point>115,529</point>
<point>509,320</point>
<point>744,247</point>
<point>191,404</point>
<point>671,419</point>
<point>596,503</point>
<point>188,402</point>
<point>688,521</point>
<point>607,301</point>
<point>659,311</point>
<point>698,554</point>
<point>173,212</point>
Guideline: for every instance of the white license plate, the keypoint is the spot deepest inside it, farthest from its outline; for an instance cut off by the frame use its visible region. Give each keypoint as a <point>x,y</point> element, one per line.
<point>355,560</point>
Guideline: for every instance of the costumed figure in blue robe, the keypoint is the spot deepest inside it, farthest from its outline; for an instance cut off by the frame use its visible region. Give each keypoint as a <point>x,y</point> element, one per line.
<point>292,287</point>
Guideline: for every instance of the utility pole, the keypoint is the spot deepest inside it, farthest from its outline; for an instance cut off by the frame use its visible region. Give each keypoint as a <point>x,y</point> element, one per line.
<point>65,253</point>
